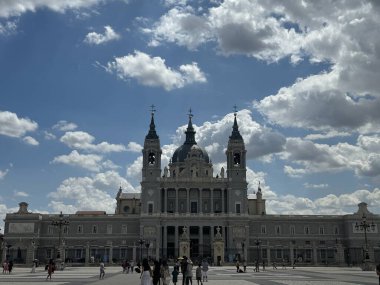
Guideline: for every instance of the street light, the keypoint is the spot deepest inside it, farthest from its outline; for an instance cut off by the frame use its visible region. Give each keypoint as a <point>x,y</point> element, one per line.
<point>147,244</point>
<point>141,242</point>
<point>363,226</point>
<point>59,223</point>
<point>257,243</point>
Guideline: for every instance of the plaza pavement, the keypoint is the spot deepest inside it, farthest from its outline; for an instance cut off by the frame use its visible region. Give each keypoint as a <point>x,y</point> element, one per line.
<point>217,276</point>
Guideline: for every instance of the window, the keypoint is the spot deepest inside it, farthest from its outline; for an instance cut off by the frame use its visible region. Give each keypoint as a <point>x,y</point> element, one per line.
<point>50,230</point>
<point>308,253</point>
<point>94,229</point>
<point>279,253</point>
<point>336,231</point>
<point>278,230</point>
<point>126,209</point>
<point>292,230</point>
<point>65,230</point>
<point>151,158</point>
<point>80,229</point>
<point>307,230</point>
<point>321,230</point>
<point>150,208</point>
<point>194,207</point>
<point>49,253</point>
<point>237,208</point>
<point>109,229</point>
<point>78,253</point>
<point>263,229</point>
<point>123,229</point>
<point>236,159</point>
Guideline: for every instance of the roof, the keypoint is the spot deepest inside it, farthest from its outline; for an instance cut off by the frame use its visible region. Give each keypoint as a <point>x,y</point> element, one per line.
<point>90,213</point>
<point>136,195</point>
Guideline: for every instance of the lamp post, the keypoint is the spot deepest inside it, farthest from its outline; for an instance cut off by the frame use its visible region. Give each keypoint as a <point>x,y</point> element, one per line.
<point>147,244</point>
<point>140,242</point>
<point>60,222</point>
<point>257,243</point>
<point>242,247</point>
<point>364,226</point>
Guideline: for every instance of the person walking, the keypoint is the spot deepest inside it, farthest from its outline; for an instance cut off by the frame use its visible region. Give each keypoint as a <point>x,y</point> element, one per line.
<point>146,273</point>
<point>50,269</point>
<point>198,274</point>
<point>165,275</point>
<point>237,266</point>
<point>189,272</point>
<point>245,265</point>
<point>102,271</point>
<point>175,274</point>
<point>156,273</point>
<point>263,265</point>
<point>5,266</point>
<point>10,266</point>
<point>378,271</point>
<point>204,270</point>
<point>183,269</point>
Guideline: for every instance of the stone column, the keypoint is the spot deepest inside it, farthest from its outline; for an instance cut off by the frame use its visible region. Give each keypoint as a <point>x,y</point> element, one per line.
<point>87,254</point>
<point>134,252</point>
<point>165,200</point>
<point>212,200</point>
<point>315,259</point>
<point>201,240</point>
<point>200,201</point>
<point>176,240</point>
<point>268,254</point>
<point>176,200</point>
<point>158,241</point>
<point>188,200</point>
<point>291,249</point>
<point>223,210</point>
<point>165,245</point>
<point>111,253</point>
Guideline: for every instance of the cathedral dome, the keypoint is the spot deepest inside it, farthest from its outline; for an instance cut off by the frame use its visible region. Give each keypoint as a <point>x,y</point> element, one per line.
<point>187,151</point>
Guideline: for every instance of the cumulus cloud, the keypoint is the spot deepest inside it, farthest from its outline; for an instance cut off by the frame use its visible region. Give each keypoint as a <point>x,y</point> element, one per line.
<point>65,126</point>
<point>94,38</point>
<point>3,173</point>
<point>30,140</point>
<point>94,192</point>
<point>19,7</point>
<point>8,28</point>
<point>86,161</point>
<point>13,126</point>
<point>134,147</point>
<point>153,71</point>
<point>85,141</point>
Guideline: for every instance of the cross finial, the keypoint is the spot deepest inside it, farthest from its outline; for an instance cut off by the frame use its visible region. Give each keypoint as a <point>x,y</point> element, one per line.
<point>152,109</point>
<point>190,113</point>
<point>235,109</point>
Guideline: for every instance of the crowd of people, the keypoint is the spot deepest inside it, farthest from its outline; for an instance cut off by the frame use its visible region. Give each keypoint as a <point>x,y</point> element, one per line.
<point>7,267</point>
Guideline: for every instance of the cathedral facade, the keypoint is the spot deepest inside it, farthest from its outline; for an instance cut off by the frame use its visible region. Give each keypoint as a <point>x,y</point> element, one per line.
<point>187,209</point>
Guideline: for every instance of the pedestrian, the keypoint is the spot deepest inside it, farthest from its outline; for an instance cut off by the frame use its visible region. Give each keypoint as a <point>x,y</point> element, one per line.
<point>132,264</point>
<point>189,272</point>
<point>102,271</point>
<point>146,273</point>
<point>50,269</point>
<point>274,265</point>
<point>175,275</point>
<point>34,266</point>
<point>378,271</point>
<point>124,266</point>
<point>183,269</point>
<point>156,273</point>
<point>198,274</point>
<point>165,275</point>
<point>237,266</point>
<point>257,266</point>
<point>204,270</point>
<point>263,265</point>
<point>294,264</point>
<point>245,265</point>
<point>10,266</point>
<point>5,266</point>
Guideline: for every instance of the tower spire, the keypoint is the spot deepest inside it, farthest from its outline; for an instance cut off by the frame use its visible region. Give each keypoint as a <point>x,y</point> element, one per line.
<point>152,127</point>
<point>235,128</point>
<point>190,133</point>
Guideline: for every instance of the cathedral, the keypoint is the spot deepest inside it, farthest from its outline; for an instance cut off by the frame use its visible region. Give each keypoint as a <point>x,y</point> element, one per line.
<point>188,209</point>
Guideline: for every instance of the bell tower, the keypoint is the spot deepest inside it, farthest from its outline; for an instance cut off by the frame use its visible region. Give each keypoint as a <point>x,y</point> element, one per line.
<point>236,170</point>
<point>151,170</point>
<point>151,153</point>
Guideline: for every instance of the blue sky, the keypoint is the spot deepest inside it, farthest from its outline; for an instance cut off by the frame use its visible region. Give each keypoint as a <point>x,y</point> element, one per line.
<point>78,77</point>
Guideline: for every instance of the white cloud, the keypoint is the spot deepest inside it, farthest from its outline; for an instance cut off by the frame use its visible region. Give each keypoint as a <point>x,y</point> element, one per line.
<point>95,192</point>
<point>13,126</point>
<point>134,147</point>
<point>86,161</point>
<point>152,71</point>
<point>20,194</point>
<point>19,7</point>
<point>49,136</point>
<point>30,140</point>
<point>85,141</point>
<point>8,28</point>
<point>328,135</point>
<point>315,186</point>
<point>65,126</point>
<point>3,173</point>
<point>94,38</point>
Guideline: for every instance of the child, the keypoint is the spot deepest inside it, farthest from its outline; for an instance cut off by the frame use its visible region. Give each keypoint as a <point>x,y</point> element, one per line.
<point>175,275</point>
<point>198,274</point>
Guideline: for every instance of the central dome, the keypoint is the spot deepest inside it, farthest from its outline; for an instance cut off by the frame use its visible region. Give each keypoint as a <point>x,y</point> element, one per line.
<point>189,147</point>
<point>188,150</point>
